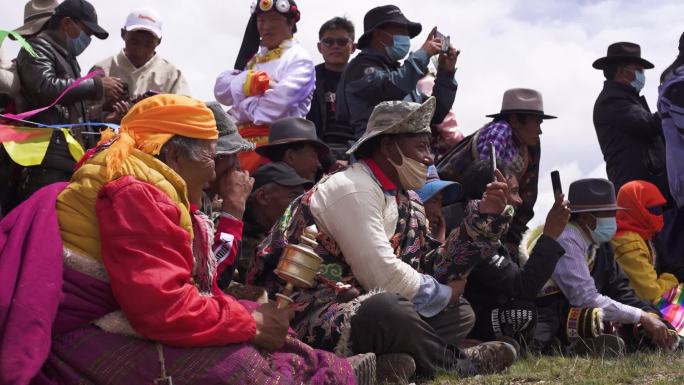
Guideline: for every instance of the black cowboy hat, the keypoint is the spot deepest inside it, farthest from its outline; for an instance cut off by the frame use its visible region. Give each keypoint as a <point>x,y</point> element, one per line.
<point>288,131</point>
<point>591,195</point>
<point>382,15</point>
<point>622,52</point>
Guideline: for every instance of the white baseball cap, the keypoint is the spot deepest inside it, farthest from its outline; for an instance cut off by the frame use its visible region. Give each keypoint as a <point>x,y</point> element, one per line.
<point>144,19</point>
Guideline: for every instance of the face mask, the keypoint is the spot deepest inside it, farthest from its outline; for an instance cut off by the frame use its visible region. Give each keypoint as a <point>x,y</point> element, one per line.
<point>77,45</point>
<point>401,45</point>
<point>412,173</point>
<point>605,229</point>
<point>639,80</point>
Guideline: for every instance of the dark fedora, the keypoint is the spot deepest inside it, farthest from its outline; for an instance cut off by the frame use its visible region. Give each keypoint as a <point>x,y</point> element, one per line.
<point>229,141</point>
<point>522,101</point>
<point>288,131</point>
<point>622,52</point>
<point>591,195</point>
<point>382,15</point>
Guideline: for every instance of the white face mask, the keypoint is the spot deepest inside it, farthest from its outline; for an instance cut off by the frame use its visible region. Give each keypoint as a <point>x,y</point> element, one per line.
<point>412,173</point>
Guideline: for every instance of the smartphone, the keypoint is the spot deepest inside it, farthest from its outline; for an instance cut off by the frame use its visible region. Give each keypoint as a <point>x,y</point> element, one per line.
<point>446,41</point>
<point>126,92</point>
<point>556,183</point>
<point>492,152</point>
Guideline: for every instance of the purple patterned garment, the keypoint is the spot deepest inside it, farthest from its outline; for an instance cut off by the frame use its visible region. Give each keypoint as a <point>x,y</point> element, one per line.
<point>501,134</point>
<point>92,356</point>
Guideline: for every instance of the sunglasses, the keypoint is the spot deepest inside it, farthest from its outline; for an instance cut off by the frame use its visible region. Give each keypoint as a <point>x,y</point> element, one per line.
<point>341,41</point>
<point>658,210</point>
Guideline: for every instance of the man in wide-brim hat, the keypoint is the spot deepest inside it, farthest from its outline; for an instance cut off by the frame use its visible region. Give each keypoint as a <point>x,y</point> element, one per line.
<point>630,136</point>
<point>514,132</point>
<point>294,141</point>
<point>372,235</point>
<point>36,15</point>
<point>587,277</point>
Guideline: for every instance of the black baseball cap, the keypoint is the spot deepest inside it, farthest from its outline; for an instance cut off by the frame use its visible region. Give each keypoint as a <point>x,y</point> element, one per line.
<point>280,173</point>
<point>84,12</point>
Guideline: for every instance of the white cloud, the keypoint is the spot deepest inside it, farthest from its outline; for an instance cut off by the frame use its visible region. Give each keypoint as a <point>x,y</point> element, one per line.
<point>547,45</point>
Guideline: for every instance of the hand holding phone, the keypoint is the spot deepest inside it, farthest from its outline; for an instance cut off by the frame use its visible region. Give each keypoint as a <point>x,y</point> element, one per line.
<point>446,41</point>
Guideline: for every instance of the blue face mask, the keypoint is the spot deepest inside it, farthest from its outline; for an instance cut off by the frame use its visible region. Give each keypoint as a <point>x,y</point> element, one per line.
<point>401,45</point>
<point>605,230</point>
<point>77,45</point>
<point>639,80</point>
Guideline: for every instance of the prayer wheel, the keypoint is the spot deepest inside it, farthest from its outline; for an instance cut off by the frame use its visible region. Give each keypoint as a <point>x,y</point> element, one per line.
<point>298,266</point>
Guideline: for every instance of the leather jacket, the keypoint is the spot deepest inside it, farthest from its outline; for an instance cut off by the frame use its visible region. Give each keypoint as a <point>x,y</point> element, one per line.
<point>43,78</point>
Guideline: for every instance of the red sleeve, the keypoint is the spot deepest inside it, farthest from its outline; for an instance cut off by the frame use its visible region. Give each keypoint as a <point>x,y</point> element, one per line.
<point>149,260</point>
<point>226,240</point>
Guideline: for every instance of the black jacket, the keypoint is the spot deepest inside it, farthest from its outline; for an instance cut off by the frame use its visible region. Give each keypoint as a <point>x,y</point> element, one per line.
<point>630,136</point>
<point>371,78</point>
<point>318,112</point>
<point>612,282</point>
<point>43,79</point>
<point>500,279</point>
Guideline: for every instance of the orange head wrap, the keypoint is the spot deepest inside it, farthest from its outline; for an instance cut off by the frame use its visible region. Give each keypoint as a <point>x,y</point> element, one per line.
<point>637,196</point>
<point>153,121</point>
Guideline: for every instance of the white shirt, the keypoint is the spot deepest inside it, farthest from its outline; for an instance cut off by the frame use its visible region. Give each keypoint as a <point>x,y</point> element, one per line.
<point>352,209</point>
<point>157,74</point>
<point>293,80</point>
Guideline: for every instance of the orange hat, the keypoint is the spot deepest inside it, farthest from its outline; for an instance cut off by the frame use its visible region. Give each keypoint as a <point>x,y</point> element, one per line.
<point>153,121</point>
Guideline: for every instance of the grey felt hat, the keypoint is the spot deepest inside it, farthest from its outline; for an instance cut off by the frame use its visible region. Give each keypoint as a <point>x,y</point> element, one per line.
<point>229,140</point>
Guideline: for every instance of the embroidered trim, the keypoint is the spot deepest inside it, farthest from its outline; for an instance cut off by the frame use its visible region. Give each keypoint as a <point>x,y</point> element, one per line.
<point>343,347</point>
<point>270,55</point>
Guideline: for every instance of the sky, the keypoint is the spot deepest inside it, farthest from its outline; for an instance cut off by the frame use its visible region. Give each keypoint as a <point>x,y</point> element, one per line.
<point>548,45</point>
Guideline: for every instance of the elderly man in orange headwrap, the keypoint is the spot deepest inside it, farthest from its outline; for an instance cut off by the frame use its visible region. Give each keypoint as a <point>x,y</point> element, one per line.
<point>136,263</point>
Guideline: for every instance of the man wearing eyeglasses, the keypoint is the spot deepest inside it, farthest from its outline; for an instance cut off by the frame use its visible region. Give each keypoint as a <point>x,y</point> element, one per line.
<point>336,44</point>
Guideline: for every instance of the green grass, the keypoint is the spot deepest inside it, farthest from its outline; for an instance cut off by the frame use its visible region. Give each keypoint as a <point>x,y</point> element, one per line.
<point>641,368</point>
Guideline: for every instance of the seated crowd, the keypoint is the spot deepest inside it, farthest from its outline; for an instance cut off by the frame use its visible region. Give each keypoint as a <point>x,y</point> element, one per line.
<point>153,253</point>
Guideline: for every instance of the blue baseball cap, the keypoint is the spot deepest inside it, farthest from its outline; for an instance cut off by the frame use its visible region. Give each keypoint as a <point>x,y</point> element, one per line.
<point>452,191</point>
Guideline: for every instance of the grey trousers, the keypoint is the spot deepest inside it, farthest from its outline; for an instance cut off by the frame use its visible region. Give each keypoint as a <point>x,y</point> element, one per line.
<point>388,323</point>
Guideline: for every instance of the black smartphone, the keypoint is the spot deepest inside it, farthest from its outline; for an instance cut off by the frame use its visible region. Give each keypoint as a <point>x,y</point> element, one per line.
<point>492,152</point>
<point>556,183</point>
<point>126,92</point>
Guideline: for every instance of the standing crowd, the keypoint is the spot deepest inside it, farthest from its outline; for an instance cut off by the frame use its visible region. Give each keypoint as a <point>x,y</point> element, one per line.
<point>144,231</point>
